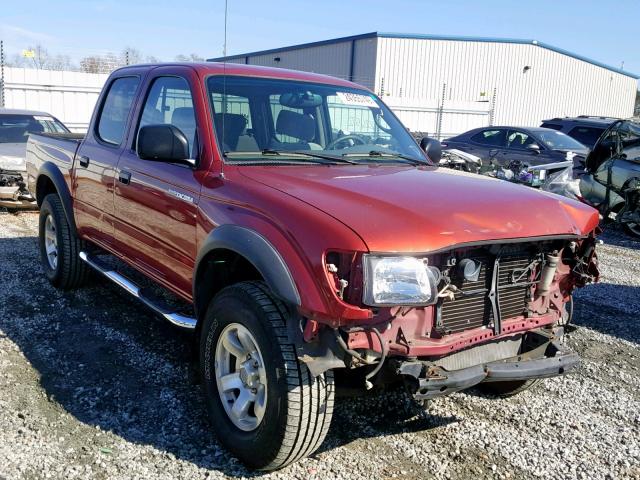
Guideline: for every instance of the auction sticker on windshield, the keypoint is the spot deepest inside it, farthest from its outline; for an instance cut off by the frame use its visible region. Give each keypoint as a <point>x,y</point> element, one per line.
<point>356,99</point>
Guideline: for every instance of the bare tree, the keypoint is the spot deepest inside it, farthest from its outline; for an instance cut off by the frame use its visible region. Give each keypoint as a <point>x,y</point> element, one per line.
<point>100,63</point>
<point>194,57</point>
<point>636,110</point>
<point>40,58</point>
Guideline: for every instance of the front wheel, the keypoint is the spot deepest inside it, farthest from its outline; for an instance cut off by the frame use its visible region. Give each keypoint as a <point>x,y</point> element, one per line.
<point>633,229</point>
<point>265,406</point>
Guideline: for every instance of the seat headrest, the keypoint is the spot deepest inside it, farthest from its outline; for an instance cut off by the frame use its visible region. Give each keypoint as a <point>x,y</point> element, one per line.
<point>296,125</point>
<point>234,125</point>
<point>183,116</point>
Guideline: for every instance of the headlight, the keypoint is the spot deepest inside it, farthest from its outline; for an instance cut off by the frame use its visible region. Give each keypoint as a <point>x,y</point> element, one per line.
<point>391,281</point>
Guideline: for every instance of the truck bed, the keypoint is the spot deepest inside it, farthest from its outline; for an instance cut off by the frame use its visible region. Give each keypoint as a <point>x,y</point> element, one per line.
<point>57,148</point>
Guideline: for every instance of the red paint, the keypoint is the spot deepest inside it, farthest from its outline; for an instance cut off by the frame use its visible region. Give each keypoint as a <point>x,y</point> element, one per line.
<point>304,212</point>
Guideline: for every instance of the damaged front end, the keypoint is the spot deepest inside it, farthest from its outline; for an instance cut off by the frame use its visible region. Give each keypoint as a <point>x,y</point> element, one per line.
<point>532,355</point>
<point>13,192</point>
<point>499,316</point>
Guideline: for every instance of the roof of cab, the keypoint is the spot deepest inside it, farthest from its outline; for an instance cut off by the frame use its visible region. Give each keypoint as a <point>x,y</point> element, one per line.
<point>216,68</point>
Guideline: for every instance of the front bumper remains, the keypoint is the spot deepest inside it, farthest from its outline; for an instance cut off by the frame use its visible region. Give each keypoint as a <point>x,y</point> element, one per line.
<point>431,380</point>
<point>13,192</point>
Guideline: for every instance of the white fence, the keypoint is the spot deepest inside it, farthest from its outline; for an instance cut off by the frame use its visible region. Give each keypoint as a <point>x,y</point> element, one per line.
<point>440,120</point>
<point>69,96</point>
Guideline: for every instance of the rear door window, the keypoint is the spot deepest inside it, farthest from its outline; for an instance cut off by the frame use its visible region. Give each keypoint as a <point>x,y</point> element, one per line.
<point>491,138</point>
<point>115,110</point>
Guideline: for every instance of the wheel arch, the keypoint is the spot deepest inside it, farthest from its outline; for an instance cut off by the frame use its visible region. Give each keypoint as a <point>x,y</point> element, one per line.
<point>51,180</point>
<point>252,257</point>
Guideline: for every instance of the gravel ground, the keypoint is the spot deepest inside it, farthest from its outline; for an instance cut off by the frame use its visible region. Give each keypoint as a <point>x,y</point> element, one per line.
<point>93,386</point>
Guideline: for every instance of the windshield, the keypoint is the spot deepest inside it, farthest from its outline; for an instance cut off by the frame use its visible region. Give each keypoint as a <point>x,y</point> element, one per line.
<point>559,141</point>
<point>259,119</point>
<point>16,128</point>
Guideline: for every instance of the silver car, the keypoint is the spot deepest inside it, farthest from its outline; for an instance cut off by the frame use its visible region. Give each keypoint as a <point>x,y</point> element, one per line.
<point>612,179</point>
<point>15,127</point>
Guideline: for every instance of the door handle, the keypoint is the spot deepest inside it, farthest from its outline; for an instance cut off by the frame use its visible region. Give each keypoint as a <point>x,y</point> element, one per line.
<point>84,161</point>
<point>124,177</point>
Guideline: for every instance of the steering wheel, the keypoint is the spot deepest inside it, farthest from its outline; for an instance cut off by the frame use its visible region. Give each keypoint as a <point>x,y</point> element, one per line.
<point>356,139</point>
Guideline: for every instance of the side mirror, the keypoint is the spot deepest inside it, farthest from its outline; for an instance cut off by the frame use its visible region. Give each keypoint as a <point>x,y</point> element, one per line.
<point>164,143</point>
<point>432,148</point>
<point>534,147</point>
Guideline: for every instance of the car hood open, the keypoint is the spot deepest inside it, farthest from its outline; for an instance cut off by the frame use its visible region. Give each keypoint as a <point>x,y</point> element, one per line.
<point>408,209</point>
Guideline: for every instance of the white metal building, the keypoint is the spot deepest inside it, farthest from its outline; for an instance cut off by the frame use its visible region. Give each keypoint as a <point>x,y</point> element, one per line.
<point>69,96</point>
<point>446,85</point>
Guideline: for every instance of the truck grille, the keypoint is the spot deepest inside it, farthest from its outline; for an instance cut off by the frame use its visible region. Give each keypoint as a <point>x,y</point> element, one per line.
<point>472,308</point>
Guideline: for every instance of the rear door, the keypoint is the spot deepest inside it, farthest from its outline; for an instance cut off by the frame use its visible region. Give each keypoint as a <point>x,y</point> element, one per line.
<point>156,202</point>
<point>97,157</point>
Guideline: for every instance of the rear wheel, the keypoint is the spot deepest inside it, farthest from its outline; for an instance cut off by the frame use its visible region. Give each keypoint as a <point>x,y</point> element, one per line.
<point>265,406</point>
<point>60,246</point>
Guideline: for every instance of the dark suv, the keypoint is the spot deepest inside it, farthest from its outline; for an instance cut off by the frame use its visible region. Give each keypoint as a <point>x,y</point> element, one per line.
<point>584,128</point>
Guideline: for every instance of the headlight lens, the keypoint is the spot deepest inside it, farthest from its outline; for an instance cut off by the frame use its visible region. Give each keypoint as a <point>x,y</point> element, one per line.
<point>391,281</point>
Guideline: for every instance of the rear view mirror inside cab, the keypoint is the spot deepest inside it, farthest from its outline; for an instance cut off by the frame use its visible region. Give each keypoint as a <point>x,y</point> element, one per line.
<point>300,100</point>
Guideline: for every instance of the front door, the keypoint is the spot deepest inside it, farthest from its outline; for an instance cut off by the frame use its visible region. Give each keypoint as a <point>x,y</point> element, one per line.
<point>521,147</point>
<point>156,202</point>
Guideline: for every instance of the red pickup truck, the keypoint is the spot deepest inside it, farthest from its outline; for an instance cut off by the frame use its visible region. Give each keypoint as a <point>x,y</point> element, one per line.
<point>305,232</point>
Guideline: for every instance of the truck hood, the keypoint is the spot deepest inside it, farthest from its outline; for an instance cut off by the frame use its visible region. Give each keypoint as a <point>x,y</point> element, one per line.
<point>407,209</point>
<point>12,156</point>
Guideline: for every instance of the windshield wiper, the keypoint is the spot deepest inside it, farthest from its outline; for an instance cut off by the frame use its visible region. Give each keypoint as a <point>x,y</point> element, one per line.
<point>400,156</point>
<point>316,157</point>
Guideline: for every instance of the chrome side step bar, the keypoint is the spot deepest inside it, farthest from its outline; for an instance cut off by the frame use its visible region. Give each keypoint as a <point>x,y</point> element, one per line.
<point>179,320</point>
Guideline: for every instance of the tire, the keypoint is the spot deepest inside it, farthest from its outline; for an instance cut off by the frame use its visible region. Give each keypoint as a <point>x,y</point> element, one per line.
<point>506,389</point>
<point>67,271</point>
<point>298,409</point>
<point>632,229</point>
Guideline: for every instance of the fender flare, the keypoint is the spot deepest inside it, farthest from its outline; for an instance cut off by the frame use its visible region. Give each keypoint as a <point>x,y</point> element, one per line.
<point>53,173</point>
<point>258,251</point>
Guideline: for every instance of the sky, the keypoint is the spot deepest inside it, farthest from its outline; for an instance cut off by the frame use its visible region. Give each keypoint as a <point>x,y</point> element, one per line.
<point>605,31</point>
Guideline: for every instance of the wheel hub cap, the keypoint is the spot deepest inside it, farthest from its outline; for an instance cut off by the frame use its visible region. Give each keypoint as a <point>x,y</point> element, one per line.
<point>241,377</point>
<point>51,242</point>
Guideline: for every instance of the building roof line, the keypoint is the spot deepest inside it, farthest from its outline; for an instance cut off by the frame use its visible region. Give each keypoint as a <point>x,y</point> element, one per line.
<point>419,36</point>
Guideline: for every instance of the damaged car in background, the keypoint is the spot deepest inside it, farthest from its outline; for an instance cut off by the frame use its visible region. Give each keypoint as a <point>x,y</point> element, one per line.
<point>611,178</point>
<point>15,127</point>
<point>516,154</point>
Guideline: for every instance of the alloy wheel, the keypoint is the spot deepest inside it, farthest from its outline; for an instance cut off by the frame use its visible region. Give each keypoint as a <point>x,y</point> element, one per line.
<point>51,241</point>
<point>241,377</point>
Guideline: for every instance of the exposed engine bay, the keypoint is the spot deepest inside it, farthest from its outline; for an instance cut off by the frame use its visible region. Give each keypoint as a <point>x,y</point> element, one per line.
<point>13,192</point>
<point>502,302</point>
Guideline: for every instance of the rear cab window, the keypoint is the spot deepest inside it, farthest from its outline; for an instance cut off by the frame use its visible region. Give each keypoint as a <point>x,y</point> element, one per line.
<point>115,110</point>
